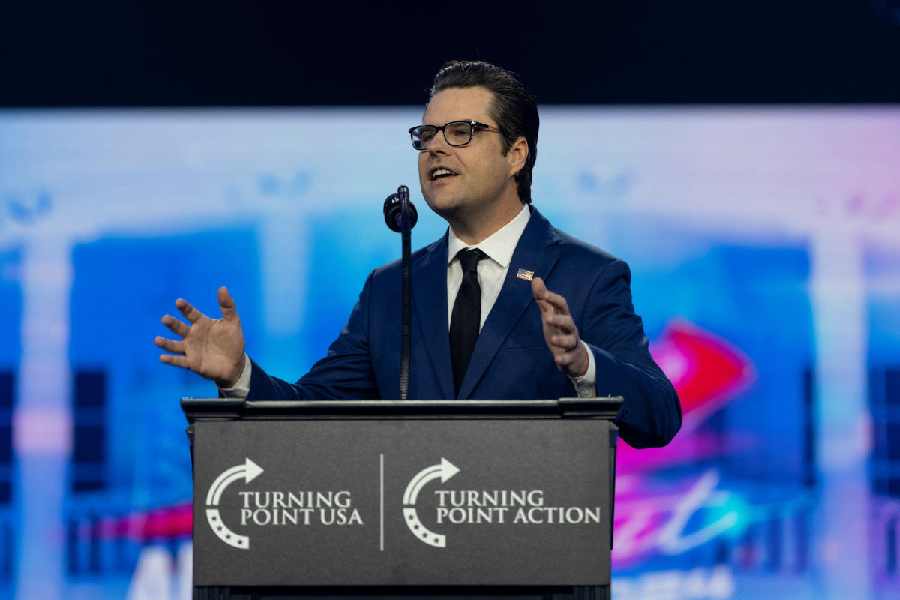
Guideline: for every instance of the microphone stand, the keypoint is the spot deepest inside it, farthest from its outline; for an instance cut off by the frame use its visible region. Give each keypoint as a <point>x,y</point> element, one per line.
<point>401,216</point>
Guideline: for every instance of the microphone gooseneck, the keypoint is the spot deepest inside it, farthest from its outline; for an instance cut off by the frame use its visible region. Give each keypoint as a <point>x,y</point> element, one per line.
<point>400,215</point>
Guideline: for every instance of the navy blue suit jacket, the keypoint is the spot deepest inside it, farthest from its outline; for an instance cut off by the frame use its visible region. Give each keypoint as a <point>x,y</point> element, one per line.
<point>511,359</point>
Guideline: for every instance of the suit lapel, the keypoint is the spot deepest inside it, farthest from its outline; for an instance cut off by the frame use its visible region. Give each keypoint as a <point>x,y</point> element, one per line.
<point>537,252</point>
<point>430,301</point>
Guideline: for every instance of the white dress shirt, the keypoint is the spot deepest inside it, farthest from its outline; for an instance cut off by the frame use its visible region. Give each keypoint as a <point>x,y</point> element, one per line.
<point>499,248</point>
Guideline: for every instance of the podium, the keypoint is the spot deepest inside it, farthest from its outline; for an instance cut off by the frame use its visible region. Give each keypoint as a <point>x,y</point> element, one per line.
<point>405,499</point>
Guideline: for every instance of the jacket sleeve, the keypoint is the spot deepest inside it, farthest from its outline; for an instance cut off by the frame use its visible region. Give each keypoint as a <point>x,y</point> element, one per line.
<point>651,413</point>
<point>345,373</point>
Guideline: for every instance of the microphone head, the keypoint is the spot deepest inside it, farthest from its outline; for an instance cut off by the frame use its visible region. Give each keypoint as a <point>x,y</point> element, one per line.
<point>399,213</point>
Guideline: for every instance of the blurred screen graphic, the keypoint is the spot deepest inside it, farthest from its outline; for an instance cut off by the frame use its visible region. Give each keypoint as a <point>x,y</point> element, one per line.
<point>765,248</point>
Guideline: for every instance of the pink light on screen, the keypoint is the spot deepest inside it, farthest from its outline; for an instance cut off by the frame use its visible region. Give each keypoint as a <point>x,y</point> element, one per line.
<point>707,372</point>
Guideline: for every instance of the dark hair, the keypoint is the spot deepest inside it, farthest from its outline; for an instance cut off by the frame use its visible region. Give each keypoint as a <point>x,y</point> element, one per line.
<point>513,108</point>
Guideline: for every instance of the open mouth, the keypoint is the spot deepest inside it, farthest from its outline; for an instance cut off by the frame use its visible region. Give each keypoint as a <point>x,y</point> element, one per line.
<point>438,173</point>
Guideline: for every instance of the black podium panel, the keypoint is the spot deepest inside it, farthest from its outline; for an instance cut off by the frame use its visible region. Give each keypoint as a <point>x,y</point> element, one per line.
<point>401,502</point>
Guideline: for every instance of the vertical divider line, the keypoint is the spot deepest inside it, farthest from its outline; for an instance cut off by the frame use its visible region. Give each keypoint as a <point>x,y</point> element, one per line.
<point>381,502</point>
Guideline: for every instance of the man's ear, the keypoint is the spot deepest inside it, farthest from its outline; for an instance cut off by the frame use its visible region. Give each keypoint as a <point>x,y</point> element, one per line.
<point>517,155</point>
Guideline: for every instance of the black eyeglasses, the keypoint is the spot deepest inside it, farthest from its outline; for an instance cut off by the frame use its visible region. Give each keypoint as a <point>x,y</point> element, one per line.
<point>457,133</point>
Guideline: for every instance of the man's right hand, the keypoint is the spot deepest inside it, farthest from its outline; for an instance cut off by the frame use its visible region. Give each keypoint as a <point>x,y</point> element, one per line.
<point>212,348</point>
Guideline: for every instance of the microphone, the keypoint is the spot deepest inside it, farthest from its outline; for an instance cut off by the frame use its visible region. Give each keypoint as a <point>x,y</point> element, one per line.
<point>399,213</point>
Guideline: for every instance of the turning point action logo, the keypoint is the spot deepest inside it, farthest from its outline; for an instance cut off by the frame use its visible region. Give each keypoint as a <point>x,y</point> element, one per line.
<point>482,507</point>
<point>443,471</point>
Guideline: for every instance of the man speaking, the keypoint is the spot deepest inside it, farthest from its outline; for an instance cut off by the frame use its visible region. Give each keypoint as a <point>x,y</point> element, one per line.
<point>505,306</point>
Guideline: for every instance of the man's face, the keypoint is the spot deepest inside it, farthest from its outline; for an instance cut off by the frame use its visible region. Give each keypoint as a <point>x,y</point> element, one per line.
<point>481,169</point>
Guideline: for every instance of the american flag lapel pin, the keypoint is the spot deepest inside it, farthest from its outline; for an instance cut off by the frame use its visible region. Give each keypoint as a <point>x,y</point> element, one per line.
<point>526,275</point>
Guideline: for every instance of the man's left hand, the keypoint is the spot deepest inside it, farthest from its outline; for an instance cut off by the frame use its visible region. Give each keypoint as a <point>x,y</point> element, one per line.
<point>560,331</point>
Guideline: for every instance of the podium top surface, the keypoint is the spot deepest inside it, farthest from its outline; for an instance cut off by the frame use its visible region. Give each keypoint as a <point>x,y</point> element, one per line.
<point>218,408</point>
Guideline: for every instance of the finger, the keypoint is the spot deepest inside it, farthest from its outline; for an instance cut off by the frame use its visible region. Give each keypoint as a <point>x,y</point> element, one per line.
<point>547,321</point>
<point>545,307</point>
<point>176,360</point>
<point>226,304</point>
<point>558,302</point>
<point>190,313</point>
<point>564,359</point>
<point>175,326</point>
<point>566,343</point>
<point>170,345</point>
<point>539,289</point>
<point>562,322</point>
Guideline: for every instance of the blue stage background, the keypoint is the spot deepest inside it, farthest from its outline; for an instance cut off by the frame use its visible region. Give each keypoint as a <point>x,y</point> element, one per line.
<point>765,246</point>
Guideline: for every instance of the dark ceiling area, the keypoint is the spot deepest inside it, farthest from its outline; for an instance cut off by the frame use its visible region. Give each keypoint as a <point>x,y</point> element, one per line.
<point>262,53</point>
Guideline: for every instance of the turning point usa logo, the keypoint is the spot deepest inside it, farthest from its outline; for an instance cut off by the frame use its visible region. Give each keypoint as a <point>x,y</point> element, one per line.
<point>276,508</point>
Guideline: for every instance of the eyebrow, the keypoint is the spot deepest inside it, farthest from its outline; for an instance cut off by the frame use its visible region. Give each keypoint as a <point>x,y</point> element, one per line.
<point>485,121</point>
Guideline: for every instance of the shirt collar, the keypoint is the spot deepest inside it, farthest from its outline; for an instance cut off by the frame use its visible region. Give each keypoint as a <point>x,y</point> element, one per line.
<point>500,245</point>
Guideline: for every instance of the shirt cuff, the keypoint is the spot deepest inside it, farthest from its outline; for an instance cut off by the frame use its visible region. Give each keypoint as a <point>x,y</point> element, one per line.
<point>242,387</point>
<point>586,385</point>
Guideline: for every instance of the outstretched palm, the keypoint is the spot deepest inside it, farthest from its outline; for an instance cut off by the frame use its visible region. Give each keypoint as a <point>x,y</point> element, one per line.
<point>212,348</point>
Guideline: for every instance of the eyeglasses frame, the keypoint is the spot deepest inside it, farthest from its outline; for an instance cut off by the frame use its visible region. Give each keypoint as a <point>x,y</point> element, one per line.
<point>475,125</point>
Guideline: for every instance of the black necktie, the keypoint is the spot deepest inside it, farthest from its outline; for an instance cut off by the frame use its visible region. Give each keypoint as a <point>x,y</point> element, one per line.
<point>465,321</point>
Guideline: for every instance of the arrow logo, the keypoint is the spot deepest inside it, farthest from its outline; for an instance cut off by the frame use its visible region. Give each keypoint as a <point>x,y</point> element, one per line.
<point>443,471</point>
<point>248,472</point>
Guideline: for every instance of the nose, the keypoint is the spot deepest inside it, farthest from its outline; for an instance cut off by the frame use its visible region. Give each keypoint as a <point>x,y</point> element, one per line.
<point>437,150</point>
<point>438,147</point>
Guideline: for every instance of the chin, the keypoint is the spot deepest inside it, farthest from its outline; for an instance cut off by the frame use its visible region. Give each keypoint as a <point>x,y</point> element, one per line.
<point>442,203</point>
